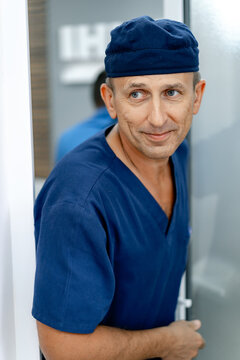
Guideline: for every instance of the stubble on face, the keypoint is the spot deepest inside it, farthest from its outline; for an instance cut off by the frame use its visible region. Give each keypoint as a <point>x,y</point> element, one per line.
<point>157,124</point>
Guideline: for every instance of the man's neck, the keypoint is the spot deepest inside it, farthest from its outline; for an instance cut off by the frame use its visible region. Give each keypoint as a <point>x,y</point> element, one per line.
<point>145,168</point>
<point>155,175</point>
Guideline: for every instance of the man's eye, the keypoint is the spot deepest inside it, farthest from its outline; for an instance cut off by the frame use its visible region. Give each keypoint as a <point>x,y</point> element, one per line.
<point>136,95</point>
<point>172,93</point>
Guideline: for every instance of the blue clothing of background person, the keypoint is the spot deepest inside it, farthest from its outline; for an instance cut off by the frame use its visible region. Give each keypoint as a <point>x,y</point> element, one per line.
<point>82,131</point>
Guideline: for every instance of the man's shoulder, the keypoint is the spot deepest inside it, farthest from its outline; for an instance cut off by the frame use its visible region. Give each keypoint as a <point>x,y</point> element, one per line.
<point>77,173</point>
<point>183,151</point>
<point>181,157</point>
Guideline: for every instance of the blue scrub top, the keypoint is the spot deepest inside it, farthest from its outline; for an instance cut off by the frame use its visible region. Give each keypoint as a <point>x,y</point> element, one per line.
<point>106,253</point>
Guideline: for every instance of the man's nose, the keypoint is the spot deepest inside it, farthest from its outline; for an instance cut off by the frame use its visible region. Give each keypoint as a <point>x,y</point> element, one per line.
<point>157,116</point>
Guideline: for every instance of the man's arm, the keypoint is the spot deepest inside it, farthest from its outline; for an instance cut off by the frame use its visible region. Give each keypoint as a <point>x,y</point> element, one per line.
<point>177,341</point>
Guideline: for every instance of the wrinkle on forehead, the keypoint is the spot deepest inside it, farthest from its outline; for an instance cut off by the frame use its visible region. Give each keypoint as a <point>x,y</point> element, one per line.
<point>179,80</point>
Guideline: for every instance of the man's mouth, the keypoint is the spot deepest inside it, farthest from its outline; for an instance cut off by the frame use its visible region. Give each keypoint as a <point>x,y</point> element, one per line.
<point>158,136</point>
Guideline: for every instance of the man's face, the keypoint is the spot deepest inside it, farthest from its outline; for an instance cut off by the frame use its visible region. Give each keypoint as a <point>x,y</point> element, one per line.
<point>155,111</point>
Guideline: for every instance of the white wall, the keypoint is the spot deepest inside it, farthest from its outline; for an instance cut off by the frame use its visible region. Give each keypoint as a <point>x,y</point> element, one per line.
<point>18,339</point>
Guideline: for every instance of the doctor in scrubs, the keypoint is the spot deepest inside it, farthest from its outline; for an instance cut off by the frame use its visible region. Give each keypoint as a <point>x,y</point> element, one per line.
<point>112,219</point>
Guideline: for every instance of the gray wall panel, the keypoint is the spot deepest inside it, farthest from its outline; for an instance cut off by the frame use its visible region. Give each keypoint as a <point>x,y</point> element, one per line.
<point>70,104</point>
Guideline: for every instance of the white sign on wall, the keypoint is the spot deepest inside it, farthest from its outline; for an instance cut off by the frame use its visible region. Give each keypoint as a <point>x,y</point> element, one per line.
<point>82,51</point>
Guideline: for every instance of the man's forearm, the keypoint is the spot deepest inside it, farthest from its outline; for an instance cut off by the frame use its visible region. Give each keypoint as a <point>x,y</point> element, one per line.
<point>105,343</point>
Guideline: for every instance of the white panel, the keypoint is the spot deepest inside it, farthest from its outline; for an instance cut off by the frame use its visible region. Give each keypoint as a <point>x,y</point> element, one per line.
<point>7,326</point>
<point>173,9</point>
<point>18,334</point>
<point>183,303</point>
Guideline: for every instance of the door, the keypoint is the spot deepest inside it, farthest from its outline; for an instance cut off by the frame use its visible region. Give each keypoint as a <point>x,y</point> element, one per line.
<point>215,178</point>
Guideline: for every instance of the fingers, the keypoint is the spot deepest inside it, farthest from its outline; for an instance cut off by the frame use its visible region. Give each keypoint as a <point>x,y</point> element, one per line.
<point>202,344</point>
<point>195,324</point>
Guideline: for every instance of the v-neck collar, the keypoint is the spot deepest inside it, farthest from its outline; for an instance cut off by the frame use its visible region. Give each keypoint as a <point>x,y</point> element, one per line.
<point>137,187</point>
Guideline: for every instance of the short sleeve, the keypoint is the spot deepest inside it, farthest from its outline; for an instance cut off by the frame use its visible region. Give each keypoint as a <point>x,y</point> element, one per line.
<point>74,282</point>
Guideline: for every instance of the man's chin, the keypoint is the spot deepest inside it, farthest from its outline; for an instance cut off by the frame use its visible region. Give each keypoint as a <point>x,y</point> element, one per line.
<point>157,153</point>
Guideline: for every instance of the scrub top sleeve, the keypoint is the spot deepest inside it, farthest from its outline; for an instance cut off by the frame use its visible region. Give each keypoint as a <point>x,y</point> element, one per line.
<point>74,282</point>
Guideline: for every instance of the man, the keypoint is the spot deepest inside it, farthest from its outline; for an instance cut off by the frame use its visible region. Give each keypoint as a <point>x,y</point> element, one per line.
<point>112,219</point>
<point>84,130</point>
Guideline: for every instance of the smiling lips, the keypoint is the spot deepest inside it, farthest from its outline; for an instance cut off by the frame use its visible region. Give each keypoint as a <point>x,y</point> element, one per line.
<point>158,137</point>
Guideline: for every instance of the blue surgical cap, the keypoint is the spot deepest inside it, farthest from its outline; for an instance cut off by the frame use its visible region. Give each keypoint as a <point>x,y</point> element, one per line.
<point>143,46</point>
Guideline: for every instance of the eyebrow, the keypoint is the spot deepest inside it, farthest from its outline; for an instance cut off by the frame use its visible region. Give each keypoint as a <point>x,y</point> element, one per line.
<point>174,86</point>
<point>135,85</point>
<point>166,86</point>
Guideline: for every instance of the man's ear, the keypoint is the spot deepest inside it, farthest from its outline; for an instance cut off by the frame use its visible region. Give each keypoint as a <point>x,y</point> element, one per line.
<point>108,98</point>
<point>199,90</point>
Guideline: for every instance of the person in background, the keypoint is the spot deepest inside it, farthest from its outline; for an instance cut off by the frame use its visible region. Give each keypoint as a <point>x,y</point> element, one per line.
<point>84,130</point>
<point>112,219</point>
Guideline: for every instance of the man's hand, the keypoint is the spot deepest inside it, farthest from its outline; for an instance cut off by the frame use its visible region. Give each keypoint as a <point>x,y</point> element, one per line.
<point>186,340</point>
